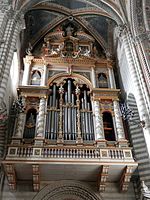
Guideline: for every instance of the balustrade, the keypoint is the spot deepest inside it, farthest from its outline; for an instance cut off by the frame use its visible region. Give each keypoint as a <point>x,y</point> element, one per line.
<point>109,154</point>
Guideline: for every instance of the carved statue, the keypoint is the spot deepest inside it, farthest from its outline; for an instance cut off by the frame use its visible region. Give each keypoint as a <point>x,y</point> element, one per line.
<point>31,121</point>
<point>69,31</point>
<point>29,49</point>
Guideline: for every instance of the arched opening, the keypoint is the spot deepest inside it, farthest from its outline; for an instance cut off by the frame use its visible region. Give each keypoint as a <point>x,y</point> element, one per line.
<point>108,127</point>
<point>36,78</point>
<point>69,111</point>
<point>30,125</point>
<point>102,80</point>
<point>67,190</point>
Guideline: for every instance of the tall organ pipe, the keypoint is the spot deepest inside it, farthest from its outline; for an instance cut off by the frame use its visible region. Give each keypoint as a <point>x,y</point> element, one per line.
<point>86,114</point>
<point>73,117</point>
<point>69,91</point>
<point>69,108</point>
<point>66,114</point>
<point>53,112</point>
<point>83,128</point>
<point>48,119</point>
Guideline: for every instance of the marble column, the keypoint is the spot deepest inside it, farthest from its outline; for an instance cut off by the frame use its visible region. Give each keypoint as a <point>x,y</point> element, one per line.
<point>26,73</point>
<point>41,118</point>
<point>99,130</point>
<point>118,121</point>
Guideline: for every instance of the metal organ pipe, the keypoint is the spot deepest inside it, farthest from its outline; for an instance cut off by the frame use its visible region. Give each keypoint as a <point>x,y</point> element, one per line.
<point>53,112</point>
<point>48,119</point>
<point>83,128</point>
<point>69,91</point>
<point>69,108</point>
<point>73,117</point>
<point>66,115</point>
<point>86,115</point>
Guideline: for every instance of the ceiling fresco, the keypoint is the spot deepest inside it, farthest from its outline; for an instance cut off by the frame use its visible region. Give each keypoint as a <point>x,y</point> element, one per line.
<point>42,16</point>
<point>39,23</point>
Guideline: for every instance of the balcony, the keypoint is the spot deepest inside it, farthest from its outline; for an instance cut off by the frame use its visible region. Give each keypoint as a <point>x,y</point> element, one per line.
<point>46,163</point>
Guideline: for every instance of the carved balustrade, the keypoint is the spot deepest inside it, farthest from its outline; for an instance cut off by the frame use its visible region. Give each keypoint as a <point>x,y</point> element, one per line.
<point>110,154</point>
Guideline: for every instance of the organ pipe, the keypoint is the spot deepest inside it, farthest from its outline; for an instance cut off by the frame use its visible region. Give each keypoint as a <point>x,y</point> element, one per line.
<point>73,116</point>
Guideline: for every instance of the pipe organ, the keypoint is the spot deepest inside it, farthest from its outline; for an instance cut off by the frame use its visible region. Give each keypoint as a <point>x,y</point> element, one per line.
<point>68,108</point>
<point>68,114</point>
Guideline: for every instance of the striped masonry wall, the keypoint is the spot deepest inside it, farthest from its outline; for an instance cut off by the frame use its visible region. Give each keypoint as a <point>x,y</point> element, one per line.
<point>138,141</point>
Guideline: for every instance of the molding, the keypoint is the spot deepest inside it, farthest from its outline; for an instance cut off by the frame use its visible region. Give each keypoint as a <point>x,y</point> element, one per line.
<point>62,190</point>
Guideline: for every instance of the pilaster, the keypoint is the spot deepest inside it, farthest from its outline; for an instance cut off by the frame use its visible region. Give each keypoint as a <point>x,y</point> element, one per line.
<point>93,76</point>
<point>111,78</point>
<point>27,64</point>
<point>99,130</point>
<point>44,76</point>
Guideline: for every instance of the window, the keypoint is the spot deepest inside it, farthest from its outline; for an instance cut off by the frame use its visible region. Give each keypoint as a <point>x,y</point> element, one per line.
<point>108,127</point>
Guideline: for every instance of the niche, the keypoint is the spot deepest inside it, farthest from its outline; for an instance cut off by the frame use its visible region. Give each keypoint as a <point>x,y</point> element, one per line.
<point>36,78</point>
<point>29,131</point>
<point>102,80</point>
<point>108,127</point>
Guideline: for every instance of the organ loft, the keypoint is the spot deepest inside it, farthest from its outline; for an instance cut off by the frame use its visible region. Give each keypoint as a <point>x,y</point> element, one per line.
<point>68,124</point>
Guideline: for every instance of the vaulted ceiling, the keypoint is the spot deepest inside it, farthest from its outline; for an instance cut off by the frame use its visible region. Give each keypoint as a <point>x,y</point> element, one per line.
<point>97,17</point>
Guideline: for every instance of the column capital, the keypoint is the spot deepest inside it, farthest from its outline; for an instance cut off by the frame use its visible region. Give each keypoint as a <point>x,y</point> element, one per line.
<point>28,59</point>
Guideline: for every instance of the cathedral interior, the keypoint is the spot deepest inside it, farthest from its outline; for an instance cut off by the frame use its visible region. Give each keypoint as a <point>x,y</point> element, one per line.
<point>74,99</point>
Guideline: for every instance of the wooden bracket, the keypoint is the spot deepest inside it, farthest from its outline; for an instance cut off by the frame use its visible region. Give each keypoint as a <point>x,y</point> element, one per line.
<point>36,177</point>
<point>102,179</point>
<point>11,176</point>
<point>125,178</point>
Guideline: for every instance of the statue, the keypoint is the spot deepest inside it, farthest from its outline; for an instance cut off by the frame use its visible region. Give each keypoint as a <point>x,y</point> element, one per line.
<point>69,31</point>
<point>30,122</point>
<point>29,49</point>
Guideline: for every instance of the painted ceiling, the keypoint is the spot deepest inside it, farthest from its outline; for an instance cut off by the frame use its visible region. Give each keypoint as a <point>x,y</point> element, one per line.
<point>43,16</point>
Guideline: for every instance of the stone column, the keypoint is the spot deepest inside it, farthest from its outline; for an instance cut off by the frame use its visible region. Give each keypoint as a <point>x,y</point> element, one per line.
<point>143,110</point>
<point>41,118</point>
<point>27,64</point>
<point>11,30</point>
<point>99,130</point>
<point>93,77</point>
<point>43,81</point>
<point>4,16</point>
<point>111,78</point>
